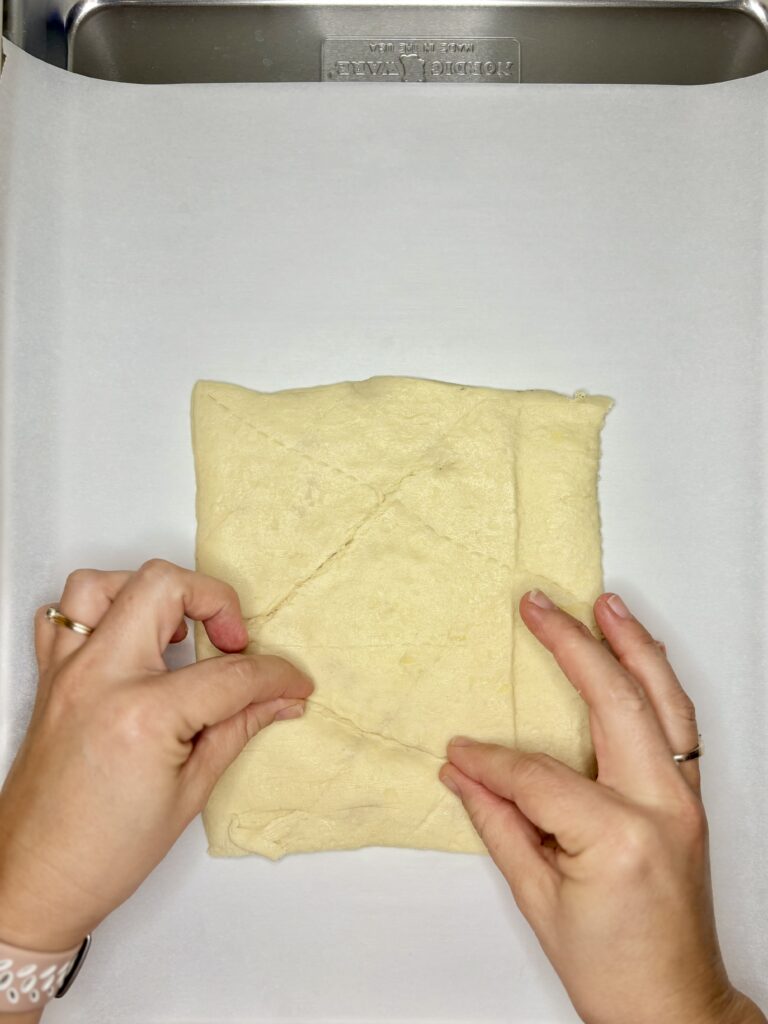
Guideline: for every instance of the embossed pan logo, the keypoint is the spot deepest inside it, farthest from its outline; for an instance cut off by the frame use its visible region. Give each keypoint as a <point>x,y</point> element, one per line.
<point>421,60</point>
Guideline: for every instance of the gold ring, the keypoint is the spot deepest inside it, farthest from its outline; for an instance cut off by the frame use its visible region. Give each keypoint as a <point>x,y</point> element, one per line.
<point>60,619</point>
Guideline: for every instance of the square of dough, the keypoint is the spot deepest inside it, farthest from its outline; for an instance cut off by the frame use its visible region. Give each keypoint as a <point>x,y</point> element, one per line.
<point>379,535</point>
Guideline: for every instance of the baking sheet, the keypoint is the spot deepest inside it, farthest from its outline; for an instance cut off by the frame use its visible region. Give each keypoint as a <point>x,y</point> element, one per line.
<point>598,237</point>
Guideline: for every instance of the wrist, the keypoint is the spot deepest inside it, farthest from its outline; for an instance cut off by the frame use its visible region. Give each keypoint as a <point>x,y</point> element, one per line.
<point>31,922</point>
<point>37,909</point>
<point>730,1007</point>
<point>702,1003</point>
<point>27,931</point>
<point>36,964</point>
<point>740,1010</point>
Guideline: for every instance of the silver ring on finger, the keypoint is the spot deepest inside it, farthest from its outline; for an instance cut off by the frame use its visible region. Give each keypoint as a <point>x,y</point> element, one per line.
<point>58,618</point>
<point>690,755</point>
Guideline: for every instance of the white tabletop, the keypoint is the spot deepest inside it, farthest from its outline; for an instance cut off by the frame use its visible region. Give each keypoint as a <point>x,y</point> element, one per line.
<point>606,238</point>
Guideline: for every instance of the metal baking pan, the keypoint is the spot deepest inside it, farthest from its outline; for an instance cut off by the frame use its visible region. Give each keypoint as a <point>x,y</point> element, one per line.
<point>610,41</point>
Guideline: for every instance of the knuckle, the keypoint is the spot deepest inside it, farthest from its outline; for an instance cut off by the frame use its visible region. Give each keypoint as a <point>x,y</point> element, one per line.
<point>481,820</point>
<point>681,705</point>
<point>114,719</point>
<point>238,668</point>
<point>628,694</point>
<point>81,580</point>
<point>571,637</point>
<point>487,828</point>
<point>691,818</point>
<point>637,844</point>
<point>41,618</point>
<point>644,641</point>
<point>254,720</point>
<point>158,570</point>
<point>68,683</point>
<point>136,718</point>
<point>635,657</point>
<point>531,767</point>
<point>68,693</point>
<point>79,675</point>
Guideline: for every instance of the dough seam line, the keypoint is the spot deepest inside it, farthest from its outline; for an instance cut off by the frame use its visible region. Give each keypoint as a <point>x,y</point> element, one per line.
<point>324,710</point>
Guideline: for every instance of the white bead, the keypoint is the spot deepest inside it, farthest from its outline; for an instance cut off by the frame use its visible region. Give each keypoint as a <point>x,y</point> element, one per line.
<point>5,964</point>
<point>48,971</point>
<point>33,996</point>
<point>12,995</point>
<point>26,970</point>
<point>5,980</point>
<point>28,984</point>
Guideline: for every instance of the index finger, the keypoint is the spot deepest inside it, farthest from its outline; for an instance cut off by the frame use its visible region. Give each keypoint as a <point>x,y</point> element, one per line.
<point>147,611</point>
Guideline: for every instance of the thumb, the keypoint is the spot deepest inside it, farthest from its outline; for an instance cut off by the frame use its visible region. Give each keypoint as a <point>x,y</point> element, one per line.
<point>552,796</point>
<point>217,746</point>
<point>512,841</point>
<point>217,689</point>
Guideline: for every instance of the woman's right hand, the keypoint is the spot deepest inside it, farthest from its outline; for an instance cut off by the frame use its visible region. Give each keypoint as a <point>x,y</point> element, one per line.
<point>121,753</point>
<point>612,875</point>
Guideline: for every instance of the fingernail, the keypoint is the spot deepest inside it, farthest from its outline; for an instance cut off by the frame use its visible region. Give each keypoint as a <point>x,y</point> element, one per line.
<point>618,607</point>
<point>540,599</point>
<point>461,741</point>
<point>294,711</point>
<point>448,782</point>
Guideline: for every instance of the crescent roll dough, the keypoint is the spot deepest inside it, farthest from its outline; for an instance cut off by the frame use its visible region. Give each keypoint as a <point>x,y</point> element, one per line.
<point>379,535</point>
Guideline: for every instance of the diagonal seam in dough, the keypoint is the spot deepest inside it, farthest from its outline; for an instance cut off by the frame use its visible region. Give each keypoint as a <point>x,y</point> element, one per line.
<point>342,720</point>
<point>218,525</point>
<point>329,713</point>
<point>430,814</point>
<point>329,465</point>
<point>453,540</point>
<point>347,543</point>
<point>288,447</point>
<point>386,498</point>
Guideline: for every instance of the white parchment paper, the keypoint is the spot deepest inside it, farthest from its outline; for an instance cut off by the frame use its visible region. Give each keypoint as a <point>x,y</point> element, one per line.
<point>598,237</point>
